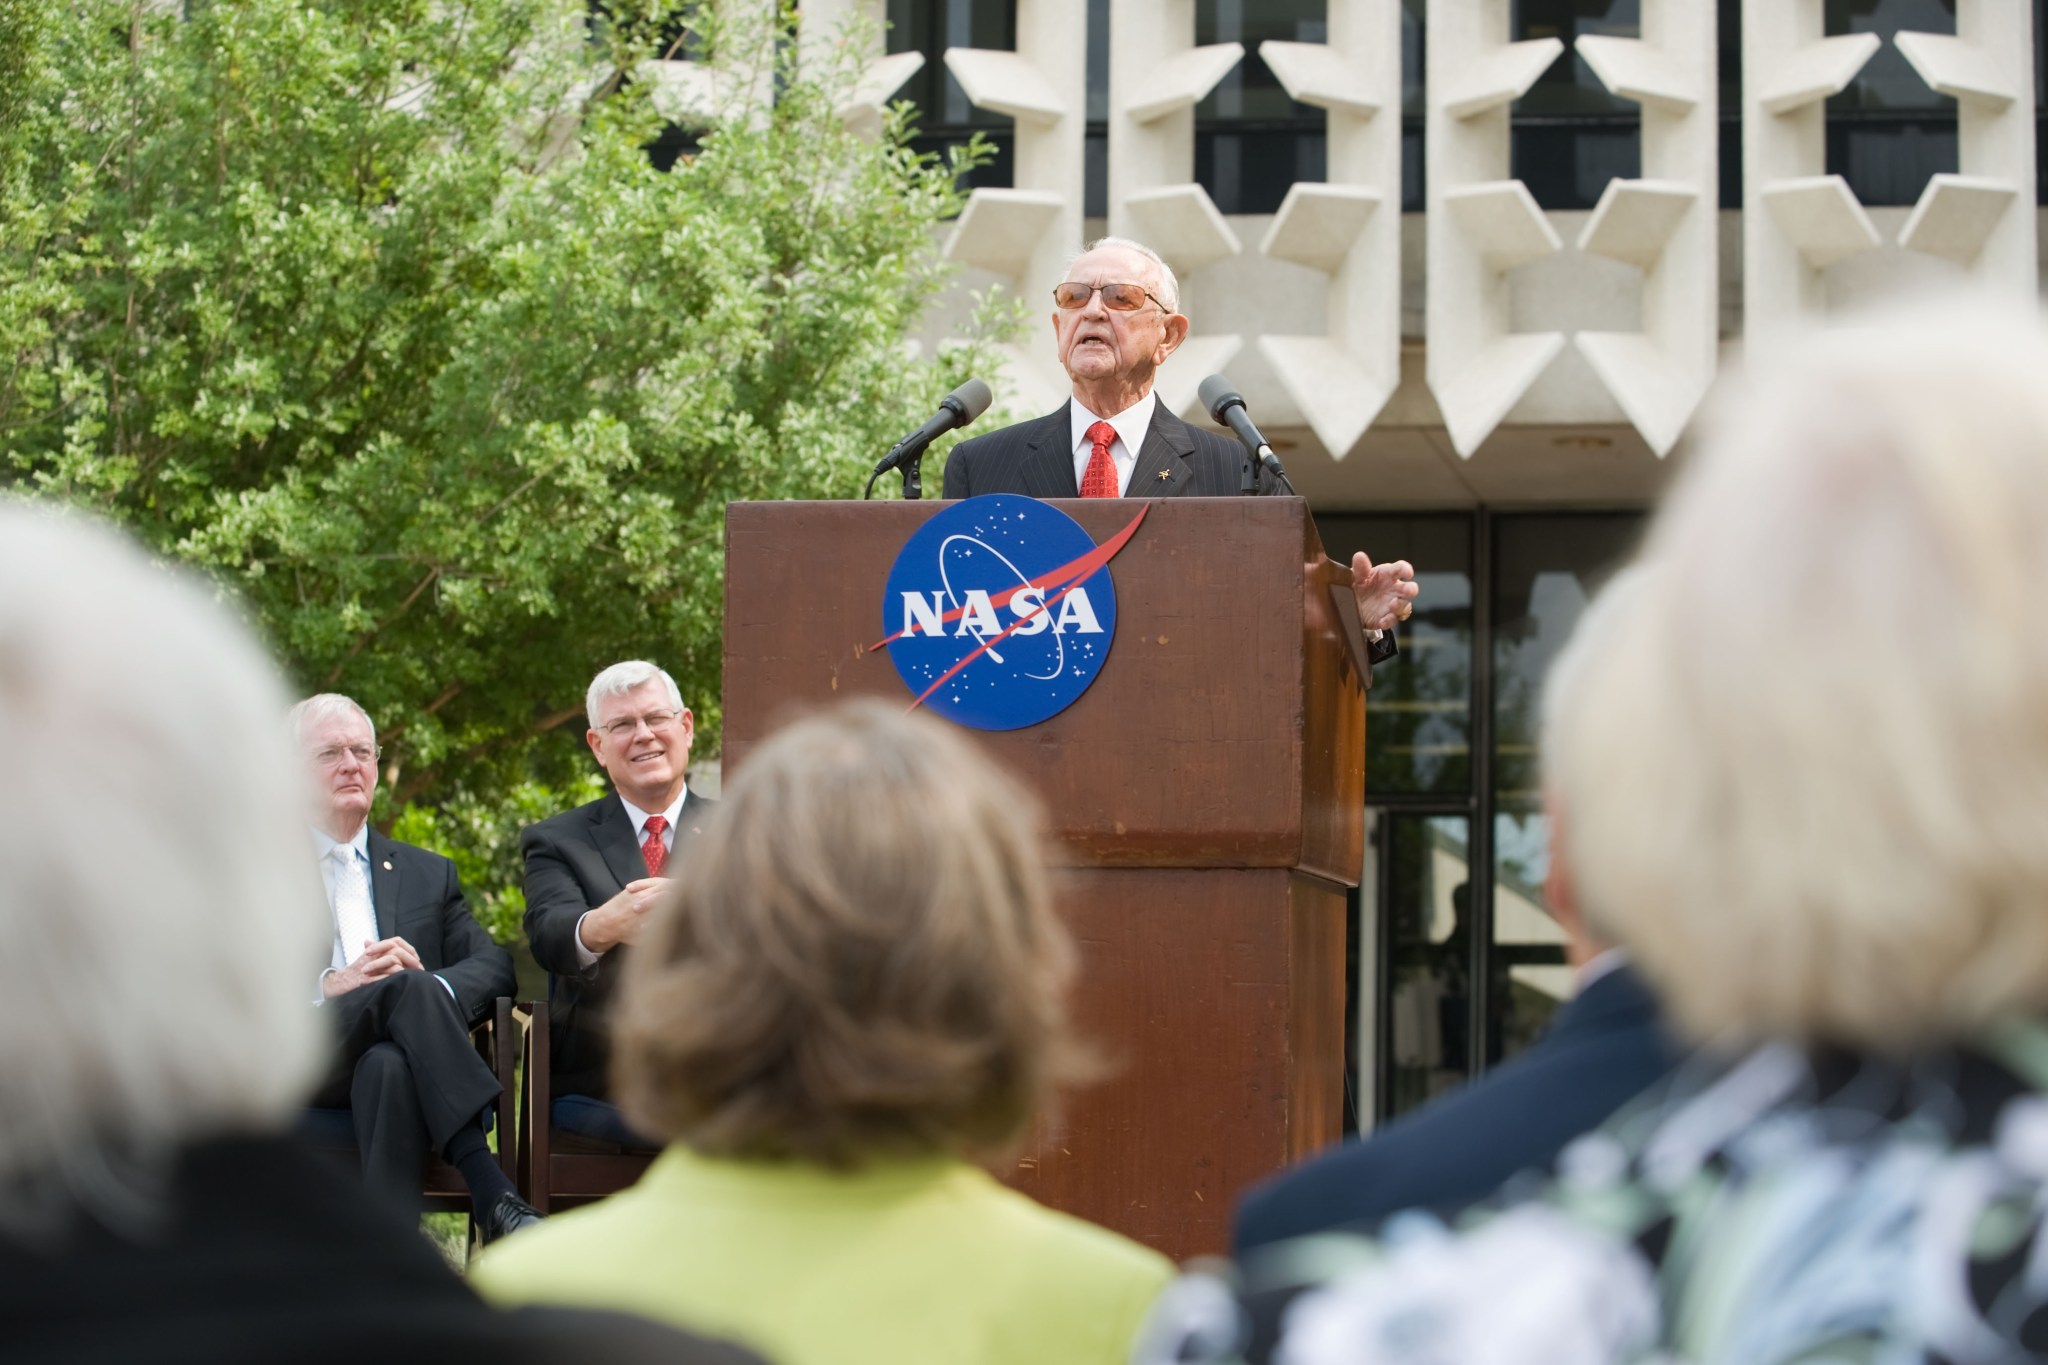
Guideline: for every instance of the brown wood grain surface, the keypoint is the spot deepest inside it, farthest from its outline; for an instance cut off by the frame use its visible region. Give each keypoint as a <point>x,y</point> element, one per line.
<point>1216,996</point>
<point>1207,792</point>
<point>1194,747</point>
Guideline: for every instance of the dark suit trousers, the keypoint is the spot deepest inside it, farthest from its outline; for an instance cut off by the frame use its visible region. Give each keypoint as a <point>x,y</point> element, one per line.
<point>408,1073</point>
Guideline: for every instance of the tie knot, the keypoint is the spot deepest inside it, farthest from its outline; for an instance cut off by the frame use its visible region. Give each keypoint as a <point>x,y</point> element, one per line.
<point>1101,434</point>
<point>657,825</point>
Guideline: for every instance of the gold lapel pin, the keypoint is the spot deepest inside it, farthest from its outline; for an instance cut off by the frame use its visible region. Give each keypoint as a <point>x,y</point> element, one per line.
<point>1165,474</point>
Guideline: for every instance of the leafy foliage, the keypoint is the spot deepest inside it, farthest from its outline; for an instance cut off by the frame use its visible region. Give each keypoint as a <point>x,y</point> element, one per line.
<point>378,311</point>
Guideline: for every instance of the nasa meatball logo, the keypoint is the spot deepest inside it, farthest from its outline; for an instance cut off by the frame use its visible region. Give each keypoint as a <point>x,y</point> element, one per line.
<point>1000,611</point>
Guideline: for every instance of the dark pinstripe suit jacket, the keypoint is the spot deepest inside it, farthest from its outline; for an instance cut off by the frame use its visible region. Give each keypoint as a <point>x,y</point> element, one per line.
<point>1036,459</point>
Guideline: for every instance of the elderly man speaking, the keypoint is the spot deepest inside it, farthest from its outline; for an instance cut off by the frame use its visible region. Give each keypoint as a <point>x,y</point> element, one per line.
<point>1116,320</point>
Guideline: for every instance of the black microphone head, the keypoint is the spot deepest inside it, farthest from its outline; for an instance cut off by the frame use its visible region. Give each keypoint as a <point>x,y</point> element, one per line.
<point>1216,394</point>
<point>970,400</point>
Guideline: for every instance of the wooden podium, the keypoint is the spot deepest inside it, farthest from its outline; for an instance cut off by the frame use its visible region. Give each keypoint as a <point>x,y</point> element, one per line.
<point>1207,792</point>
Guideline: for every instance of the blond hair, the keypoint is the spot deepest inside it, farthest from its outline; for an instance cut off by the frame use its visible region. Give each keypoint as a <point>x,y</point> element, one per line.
<point>1806,770</point>
<point>860,956</point>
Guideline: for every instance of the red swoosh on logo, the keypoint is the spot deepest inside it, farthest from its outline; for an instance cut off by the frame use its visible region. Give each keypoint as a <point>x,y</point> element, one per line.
<point>1066,578</point>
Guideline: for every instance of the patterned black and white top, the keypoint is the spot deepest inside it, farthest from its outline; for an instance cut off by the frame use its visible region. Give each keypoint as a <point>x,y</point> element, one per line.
<point>1785,1207</point>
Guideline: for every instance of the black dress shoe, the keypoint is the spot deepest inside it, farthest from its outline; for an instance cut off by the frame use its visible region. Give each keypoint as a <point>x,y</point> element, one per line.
<point>506,1215</point>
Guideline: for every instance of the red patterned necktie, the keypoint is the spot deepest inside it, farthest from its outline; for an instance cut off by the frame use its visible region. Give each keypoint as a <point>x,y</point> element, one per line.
<point>654,851</point>
<point>1100,480</point>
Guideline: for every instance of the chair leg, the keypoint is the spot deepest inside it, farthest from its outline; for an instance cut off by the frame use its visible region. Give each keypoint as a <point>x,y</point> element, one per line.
<point>539,1097</point>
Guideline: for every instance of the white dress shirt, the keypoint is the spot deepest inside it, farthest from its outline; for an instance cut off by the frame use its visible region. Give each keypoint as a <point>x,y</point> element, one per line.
<point>1131,425</point>
<point>359,848</point>
<point>668,841</point>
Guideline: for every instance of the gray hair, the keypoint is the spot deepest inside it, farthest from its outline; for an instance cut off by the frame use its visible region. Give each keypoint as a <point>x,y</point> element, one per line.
<point>162,916</point>
<point>622,678</point>
<point>1163,276</point>
<point>325,706</point>
<point>1806,775</point>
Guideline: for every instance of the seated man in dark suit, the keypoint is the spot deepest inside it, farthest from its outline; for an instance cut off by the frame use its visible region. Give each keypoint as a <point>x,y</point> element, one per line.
<point>162,931</point>
<point>593,873</point>
<point>410,970</point>
<point>1116,320</point>
<point>1605,1047</point>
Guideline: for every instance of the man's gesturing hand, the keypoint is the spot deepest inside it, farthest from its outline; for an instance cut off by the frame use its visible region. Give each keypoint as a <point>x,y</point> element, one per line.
<point>1386,594</point>
<point>380,958</point>
<point>619,919</point>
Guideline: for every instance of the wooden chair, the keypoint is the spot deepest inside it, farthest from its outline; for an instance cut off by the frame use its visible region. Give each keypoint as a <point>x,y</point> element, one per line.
<point>443,1190</point>
<point>560,1169</point>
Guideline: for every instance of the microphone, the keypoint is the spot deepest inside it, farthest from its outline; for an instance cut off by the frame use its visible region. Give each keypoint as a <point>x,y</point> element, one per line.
<point>956,409</point>
<point>1226,405</point>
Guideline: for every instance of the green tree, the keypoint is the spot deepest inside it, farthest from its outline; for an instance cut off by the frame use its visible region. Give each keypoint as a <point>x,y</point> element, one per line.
<point>379,312</point>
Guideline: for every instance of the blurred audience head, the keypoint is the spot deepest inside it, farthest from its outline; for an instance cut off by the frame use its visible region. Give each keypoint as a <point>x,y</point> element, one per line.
<point>862,961</point>
<point>156,980</point>
<point>1805,756</point>
<point>1562,681</point>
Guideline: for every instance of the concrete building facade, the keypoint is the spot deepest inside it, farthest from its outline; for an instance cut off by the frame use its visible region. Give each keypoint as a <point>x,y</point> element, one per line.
<point>1475,264</point>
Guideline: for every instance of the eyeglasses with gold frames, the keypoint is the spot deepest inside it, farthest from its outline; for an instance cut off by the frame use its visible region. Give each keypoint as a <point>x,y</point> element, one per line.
<point>1118,298</point>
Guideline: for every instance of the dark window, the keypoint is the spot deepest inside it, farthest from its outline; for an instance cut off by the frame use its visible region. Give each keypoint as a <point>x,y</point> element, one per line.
<point>1419,712</point>
<point>1426,1000</point>
<point>1571,135</point>
<point>1456,964</point>
<point>946,117</point>
<point>1251,140</point>
<point>1545,570</point>
<point>1888,133</point>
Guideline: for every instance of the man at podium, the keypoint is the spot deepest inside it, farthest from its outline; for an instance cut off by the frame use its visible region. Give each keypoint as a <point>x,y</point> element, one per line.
<point>1116,319</point>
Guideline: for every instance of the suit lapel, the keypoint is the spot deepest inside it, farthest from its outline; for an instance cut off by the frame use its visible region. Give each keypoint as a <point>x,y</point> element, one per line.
<point>612,832</point>
<point>383,884</point>
<point>1163,470</point>
<point>1047,469</point>
<point>689,822</point>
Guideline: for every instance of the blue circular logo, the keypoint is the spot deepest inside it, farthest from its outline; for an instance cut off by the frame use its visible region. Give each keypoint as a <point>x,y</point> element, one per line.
<point>999,612</point>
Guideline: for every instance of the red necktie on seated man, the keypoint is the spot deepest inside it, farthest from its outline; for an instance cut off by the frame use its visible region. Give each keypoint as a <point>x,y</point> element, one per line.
<point>1100,480</point>
<point>654,850</point>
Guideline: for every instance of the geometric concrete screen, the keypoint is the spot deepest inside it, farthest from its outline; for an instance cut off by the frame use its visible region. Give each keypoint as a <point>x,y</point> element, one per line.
<point>1482,224</point>
<point>1982,219</point>
<point>1797,220</point>
<point>1156,77</point>
<point>1028,233</point>
<point>1663,223</point>
<point>1348,228</point>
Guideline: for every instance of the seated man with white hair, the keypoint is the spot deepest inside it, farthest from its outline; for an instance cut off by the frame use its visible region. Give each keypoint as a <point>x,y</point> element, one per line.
<point>409,973</point>
<point>162,935</point>
<point>594,872</point>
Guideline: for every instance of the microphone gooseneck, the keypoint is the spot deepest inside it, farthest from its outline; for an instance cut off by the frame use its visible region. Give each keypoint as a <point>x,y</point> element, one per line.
<point>956,409</point>
<point>1226,406</point>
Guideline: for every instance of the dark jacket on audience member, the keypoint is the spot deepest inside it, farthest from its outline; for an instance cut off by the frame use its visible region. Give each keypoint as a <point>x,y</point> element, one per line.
<point>1606,1046</point>
<point>269,1254</point>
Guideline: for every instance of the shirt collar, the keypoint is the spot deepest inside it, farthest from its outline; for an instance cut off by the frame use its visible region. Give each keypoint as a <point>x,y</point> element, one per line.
<point>1600,965</point>
<point>1131,424</point>
<point>325,844</point>
<point>640,817</point>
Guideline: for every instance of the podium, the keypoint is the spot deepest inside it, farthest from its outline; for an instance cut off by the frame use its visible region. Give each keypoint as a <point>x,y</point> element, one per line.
<point>1207,798</point>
